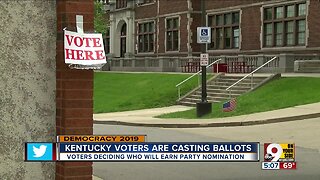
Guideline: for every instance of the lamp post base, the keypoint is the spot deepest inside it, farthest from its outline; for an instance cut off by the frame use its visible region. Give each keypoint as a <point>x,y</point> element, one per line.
<point>203,108</point>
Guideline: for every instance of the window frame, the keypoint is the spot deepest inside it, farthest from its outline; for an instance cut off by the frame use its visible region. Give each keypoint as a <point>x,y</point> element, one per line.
<point>121,4</point>
<point>172,30</point>
<point>144,33</point>
<point>232,26</point>
<point>284,21</point>
<point>107,44</point>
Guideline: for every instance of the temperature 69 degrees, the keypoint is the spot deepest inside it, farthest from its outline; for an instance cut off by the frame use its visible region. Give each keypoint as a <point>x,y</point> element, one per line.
<point>288,165</point>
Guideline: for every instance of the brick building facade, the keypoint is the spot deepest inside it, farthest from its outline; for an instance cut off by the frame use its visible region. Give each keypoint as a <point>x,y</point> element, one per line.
<point>168,28</point>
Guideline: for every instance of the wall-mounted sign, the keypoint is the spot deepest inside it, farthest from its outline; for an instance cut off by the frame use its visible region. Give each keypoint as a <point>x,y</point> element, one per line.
<point>83,48</point>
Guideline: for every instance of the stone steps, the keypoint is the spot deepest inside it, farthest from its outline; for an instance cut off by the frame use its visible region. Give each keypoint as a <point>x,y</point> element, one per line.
<point>216,89</point>
<point>226,94</point>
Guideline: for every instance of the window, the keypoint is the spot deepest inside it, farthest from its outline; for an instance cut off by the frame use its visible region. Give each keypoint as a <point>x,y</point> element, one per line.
<point>172,34</point>
<point>121,4</point>
<point>289,33</point>
<point>268,14</point>
<point>301,32</point>
<point>279,33</point>
<point>225,31</point>
<point>301,9</point>
<point>146,37</point>
<point>268,34</point>
<point>284,25</point>
<point>236,37</point>
<point>279,12</point>
<point>107,43</point>
<point>290,11</point>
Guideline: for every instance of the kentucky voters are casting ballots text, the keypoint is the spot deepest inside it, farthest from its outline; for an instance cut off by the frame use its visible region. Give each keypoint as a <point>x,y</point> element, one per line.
<point>158,147</point>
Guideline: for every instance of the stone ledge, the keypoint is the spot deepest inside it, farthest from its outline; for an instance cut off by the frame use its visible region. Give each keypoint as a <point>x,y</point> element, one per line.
<point>307,66</point>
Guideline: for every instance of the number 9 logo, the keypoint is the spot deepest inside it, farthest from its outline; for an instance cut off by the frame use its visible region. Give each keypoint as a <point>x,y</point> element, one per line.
<point>275,150</point>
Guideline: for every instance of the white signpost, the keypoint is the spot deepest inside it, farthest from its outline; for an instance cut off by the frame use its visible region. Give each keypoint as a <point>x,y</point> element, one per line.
<point>204,35</point>
<point>204,59</point>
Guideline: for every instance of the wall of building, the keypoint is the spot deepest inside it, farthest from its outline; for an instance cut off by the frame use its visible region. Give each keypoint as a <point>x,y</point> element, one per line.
<point>146,10</point>
<point>217,4</point>
<point>184,33</point>
<point>250,28</point>
<point>161,35</point>
<point>27,83</point>
<point>158,11</point>
<point>170,6</point>
<point>196,5</point>
<point>314,24</point>
<point>189,12</point>
<point>167,9</point>
<point>146,13</point>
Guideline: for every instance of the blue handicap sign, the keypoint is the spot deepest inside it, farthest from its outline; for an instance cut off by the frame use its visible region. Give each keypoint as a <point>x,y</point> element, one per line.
<point>204,32</point>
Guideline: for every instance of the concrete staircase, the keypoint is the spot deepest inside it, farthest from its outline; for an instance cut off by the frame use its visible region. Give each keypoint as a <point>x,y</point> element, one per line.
<point>216,88</point>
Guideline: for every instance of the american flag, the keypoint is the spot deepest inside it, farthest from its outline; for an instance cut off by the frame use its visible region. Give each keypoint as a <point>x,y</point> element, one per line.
<point>230,105</point>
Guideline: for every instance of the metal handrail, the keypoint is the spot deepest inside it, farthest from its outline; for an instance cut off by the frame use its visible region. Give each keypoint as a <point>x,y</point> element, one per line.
<point>182,82</point>
<point>251,73</point>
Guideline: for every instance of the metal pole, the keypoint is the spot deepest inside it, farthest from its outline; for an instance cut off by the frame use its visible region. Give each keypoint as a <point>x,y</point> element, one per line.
<point>203,50</point>
<point>204,107</point>
<point>217,67</point>
<point>251,80</point>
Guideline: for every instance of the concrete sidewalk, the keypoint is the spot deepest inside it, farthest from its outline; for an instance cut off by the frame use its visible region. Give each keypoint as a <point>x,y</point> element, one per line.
<point>146,117</point>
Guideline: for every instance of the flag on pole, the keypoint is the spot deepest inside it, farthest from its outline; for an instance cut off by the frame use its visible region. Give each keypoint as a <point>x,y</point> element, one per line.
<point>229,105</point>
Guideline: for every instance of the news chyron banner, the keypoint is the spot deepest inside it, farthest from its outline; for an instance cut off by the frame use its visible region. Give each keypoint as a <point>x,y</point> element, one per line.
<point>279,156</point>
<point>112,148</point>
<point>155,151</point>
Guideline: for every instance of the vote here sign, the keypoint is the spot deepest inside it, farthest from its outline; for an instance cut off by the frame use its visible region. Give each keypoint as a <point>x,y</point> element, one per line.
<point>83,48</point>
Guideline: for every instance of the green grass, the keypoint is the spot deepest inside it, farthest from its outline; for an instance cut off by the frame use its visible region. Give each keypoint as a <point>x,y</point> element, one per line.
<point>281,93</point>
<point>130,91</point>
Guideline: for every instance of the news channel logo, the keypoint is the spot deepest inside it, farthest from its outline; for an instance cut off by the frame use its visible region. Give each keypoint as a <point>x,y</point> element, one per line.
<point>39,152</point>
<point>279,152</point>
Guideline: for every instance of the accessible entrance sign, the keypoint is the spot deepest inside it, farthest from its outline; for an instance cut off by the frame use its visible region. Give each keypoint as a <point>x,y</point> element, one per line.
<point>204,35</point>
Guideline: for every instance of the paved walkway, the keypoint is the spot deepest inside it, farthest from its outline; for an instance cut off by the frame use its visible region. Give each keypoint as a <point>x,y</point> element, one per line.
<point>146,117</point>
